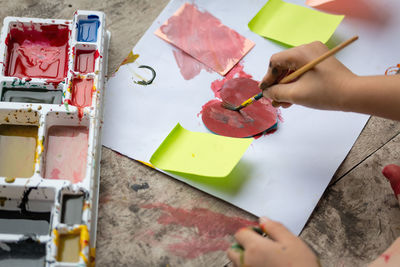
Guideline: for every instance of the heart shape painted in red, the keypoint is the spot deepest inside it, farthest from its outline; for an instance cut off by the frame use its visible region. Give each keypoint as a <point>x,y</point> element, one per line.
<point>249,121</point>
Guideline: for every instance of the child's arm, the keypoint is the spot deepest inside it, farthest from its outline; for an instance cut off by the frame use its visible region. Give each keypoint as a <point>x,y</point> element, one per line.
<point>330,85</point>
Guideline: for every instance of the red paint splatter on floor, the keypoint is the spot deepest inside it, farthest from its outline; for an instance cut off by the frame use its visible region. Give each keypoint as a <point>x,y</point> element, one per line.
<point>190,249</point>
<point>213,230</point>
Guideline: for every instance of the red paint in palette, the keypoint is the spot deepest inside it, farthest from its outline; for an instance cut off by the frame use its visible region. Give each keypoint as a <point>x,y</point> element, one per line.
<point>85,60</point>
<point>37,51</point>
<point>81,91</point>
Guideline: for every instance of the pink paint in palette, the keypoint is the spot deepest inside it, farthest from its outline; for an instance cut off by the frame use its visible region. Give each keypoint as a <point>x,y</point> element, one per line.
<point>52,75</point>
<point>66,154</point>
<point>204,37</point>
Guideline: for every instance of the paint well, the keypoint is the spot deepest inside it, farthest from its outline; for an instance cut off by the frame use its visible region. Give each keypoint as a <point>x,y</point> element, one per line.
<point>87,30</point>
<point>71,211</point>
<point>17,150</point>
<point>37,51</point>
<point>82,90</point>
<point>23,253</point>
<point>68,248</point>
<point>41,96</point>
<point>16,222</point>
<point>66,153</point>
<point>85,60</point>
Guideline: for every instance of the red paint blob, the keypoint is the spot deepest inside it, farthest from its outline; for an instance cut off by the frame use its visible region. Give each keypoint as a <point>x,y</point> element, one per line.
<point>82,90</point>
<point>85,60</point>
<point>235,72</point>
<point>392,173</point>
<point>249,121</point>
<point>37,51</point>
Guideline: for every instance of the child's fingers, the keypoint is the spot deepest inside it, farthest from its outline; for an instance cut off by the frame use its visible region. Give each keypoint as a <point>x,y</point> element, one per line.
<point>276,231</point>
<point>247,237</point>
<point>279,93</point>
<point>236,256</point>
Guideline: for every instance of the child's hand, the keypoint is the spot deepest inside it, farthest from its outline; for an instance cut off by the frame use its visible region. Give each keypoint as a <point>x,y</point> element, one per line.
<point>281,248</point>
<point>322,87</point>
<point>389,258</point>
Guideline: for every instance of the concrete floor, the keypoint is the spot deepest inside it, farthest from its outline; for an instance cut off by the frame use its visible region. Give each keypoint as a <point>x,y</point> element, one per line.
<point>145,216</point>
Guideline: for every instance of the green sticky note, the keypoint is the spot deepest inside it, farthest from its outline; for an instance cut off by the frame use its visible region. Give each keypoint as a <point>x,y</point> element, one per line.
<point>293,24</point>
<point>200,154</point>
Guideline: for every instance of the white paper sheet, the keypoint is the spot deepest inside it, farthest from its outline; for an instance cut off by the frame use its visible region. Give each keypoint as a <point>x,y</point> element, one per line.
<point>282,175</point>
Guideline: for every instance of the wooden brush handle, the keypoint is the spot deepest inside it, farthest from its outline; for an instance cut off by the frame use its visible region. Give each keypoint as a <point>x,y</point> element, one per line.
<point>311,64</point>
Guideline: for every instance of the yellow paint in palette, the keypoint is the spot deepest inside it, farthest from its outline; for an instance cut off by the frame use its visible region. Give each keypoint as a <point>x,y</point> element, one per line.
<point>69,247</point>
<point>17,150</point>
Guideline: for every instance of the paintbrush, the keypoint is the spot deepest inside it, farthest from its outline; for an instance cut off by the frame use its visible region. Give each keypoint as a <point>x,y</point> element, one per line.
<point>293,75</point>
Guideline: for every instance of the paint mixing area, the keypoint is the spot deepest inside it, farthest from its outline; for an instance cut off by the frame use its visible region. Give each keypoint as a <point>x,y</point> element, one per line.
<point>51,85</point>
<point>122,152</point>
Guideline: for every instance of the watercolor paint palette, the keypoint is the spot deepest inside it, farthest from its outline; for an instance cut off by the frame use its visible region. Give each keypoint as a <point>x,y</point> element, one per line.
<point>52,76</point>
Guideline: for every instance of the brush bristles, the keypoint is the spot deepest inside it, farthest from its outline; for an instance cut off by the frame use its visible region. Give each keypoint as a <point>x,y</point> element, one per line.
<point>229,106</point>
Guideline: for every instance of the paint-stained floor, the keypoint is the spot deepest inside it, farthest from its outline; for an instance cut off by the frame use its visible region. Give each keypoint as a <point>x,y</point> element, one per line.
<point>149,219</point>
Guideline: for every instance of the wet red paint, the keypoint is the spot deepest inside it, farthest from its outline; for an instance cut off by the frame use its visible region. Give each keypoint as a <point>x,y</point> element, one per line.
<point>205,38</point>
<point>38,51</point>
<point>81,91</point>
<point>212,229</point>
<point>85,60</point>
<point>392,173</point>
<point>249,121</point>
<point>235,72</point>
<point>188,66</point>
<point>386,257</point>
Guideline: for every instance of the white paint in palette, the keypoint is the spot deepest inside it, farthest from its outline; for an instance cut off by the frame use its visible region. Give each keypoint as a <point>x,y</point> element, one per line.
<point>36,210</point>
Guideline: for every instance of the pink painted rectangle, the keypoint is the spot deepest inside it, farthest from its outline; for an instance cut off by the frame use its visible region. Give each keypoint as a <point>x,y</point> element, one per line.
<point>66,153</point>
<point>205,38</point>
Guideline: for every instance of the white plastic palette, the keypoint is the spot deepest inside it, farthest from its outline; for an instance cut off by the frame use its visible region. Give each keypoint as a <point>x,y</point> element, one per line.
<point>51,87</point>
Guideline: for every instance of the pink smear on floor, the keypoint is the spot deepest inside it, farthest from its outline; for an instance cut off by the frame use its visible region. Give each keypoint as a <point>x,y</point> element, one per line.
<point>205,38</point>
<point>66,153</point>
<point>235,72</point>
<point>212,229</point>
<point>190,249</point>
<point>189,66</point>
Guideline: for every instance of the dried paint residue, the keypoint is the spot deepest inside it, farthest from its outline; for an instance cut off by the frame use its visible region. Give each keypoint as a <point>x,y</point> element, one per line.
<point>392,173</point>
<point>82,91</point>
<point>66,153</point>
<point>213,230</point>
<point>205,38</point>
<point>37,51</point>
<point>129,59</point>
<point>188,66</point>
<point>17,150</point>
